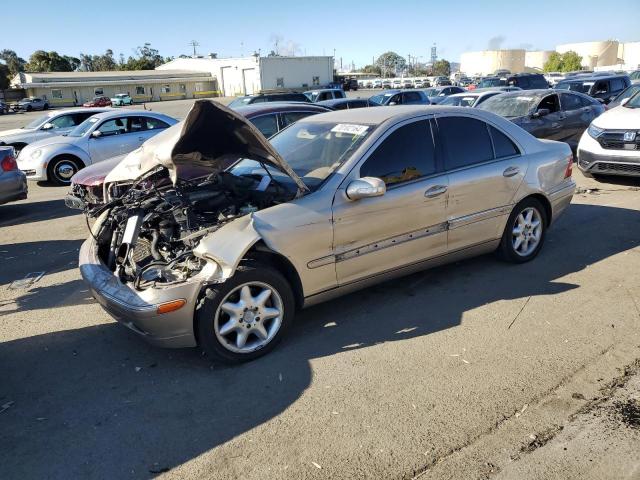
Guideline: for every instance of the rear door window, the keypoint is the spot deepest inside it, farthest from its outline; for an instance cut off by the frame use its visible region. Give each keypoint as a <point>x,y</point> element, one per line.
<point>409,98</point>
<point>466,141</point>
<point>291,117</point>
<point>617,85</point>
<point>570,102</point>
<point>406,154</point>
<point>155,124</point>
<point>267,124</point>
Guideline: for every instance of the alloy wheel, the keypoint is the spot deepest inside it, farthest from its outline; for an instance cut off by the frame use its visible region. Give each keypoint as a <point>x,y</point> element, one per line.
<point>527,231</point>
<point>249,317</point>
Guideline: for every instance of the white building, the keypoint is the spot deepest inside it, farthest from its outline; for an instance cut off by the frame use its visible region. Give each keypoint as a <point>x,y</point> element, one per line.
<point>594,54</point>
<point>63,89</point>
<point>535,59</point>
<point>246,75</point>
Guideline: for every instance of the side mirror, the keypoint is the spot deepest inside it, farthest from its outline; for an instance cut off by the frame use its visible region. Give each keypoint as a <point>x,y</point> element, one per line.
<point>366,187</point>
<point>624,101</point>
<point>542,112</point>
<point>47,126</point>
<point>96,134</point>
<point>393,103</point>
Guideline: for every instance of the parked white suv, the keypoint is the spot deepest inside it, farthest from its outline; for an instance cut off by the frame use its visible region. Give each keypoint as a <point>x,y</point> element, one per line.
<point>98,138</point>
<point>611,144</point>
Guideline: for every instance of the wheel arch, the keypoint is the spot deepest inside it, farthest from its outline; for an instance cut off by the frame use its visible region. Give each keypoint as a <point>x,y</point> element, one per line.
<point>548,210</point>
<point>73,156</point>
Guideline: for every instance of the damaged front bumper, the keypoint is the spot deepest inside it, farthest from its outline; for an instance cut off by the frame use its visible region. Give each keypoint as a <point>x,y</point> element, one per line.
<point>138,310</point>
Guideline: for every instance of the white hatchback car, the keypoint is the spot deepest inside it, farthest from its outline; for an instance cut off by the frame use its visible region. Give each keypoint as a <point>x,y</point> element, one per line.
<point>98,138</point>
<point>611,144</point>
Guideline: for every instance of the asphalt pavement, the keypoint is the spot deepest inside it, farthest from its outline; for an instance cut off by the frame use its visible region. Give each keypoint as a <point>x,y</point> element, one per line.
<point>478,369</point>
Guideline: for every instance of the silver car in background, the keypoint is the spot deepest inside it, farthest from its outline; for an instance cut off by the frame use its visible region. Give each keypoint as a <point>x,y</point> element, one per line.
<point>101,136</point>
<point>13,183</point>
<point>334,203</point>
<point>57,122</point>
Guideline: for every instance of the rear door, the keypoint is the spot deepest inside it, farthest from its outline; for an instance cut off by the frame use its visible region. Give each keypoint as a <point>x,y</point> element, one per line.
<point>484,173</point>
<point>577,116</point>
<point>406,224</point>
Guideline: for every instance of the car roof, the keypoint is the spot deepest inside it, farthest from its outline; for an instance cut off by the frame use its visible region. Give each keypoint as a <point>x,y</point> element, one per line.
<point>324,90</point>
<point>378,115</point>
<point>338,101</point>
<point>254,109</point>
<point>66,111</point>
<point>588,78</point>
<point>115,112</point>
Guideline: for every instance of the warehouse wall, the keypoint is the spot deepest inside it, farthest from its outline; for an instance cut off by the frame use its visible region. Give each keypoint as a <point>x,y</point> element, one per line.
<point>140,92</point>
<point>295,72</point>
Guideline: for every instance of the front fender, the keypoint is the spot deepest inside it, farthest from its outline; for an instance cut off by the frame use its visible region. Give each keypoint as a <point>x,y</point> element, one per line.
<point>228,245</point>
<point>50,152</point>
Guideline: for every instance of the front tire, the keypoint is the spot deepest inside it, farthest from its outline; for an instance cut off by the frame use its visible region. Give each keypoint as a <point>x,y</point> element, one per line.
<point>61,169</point>
<point>525,232</point>
<point>245,317</point>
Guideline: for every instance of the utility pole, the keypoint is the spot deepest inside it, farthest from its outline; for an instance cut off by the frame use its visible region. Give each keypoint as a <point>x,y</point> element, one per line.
<point>194,44</point>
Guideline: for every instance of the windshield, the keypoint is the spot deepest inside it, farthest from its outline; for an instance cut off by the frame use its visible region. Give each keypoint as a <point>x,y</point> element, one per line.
<point>36,123</point>
<point>462,101</point>
<point>492,82</point>
<point>313,149</point>
<point>432,92</point>
<point>582,87</point>
<point>635,75</point>
<point>382,99</point>
<point>628,93</point>
<point>313,96</point>
<point>634,102</point>
<point>509,106</point>
<point>83,128</point>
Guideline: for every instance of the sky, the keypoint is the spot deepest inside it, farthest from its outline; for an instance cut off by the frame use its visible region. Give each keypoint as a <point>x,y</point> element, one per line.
<point>358,31</point>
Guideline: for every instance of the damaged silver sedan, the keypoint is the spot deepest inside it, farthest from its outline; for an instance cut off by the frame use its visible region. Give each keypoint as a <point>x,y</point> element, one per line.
<point>212,236</point>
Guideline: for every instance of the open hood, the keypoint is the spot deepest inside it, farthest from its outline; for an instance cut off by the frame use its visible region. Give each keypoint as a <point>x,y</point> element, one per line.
<point>210,136</point>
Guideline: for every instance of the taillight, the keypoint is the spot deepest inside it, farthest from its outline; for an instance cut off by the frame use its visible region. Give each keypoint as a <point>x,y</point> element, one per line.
<point>9,163</point>
<point>569,171</point>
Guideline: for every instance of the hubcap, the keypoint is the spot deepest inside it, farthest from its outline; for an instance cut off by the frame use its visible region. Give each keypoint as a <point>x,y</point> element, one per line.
<point>527,231</point>
<point>64,171</point>
<point>248,317</point>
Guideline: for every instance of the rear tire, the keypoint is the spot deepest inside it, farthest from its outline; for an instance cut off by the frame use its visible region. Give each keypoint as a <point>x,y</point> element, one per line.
<point>46,106</point>
<point>235,309</point>
<point>61,169</point>
<point>524,233</point>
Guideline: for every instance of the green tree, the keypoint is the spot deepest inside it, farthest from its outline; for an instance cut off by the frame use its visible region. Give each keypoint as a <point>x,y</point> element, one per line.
<point>374,69</point>
<point>441,68</point>
<point>147,58</point>
<point>43,61</point>
<point>390,63</point>
<point>14,63</point>
<point>563,62</point>
<point>5,76</point>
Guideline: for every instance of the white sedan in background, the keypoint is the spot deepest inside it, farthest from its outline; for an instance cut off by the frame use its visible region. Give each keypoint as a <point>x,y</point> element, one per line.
<point>98,138</point>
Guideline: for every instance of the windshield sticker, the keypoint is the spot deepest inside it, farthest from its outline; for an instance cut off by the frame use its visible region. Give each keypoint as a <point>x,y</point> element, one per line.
<point>350,129</point>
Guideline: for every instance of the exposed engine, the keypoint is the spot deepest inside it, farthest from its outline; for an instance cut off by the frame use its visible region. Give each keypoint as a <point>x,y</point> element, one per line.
<point>150,231</point>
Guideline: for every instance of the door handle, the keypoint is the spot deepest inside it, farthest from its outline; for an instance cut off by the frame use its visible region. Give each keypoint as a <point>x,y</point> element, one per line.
<point>435,191</point>
<point>511,171</point>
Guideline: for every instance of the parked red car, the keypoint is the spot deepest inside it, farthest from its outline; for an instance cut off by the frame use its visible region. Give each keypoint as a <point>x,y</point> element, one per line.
<point>98,102</point>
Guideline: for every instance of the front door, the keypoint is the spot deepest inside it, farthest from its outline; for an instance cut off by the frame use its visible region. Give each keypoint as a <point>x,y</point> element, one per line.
<point>485,171</point>
<point>117,137</point>
<point>577,116</point>
<point>406,224</point>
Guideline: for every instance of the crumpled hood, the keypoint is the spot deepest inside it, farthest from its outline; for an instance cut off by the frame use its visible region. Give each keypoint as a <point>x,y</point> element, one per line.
<point>619,118</point>
<point>209,136</point>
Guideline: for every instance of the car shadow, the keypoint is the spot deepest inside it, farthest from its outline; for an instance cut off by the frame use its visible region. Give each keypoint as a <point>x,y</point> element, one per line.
<point>618,180</point>
<point>59,295</point>
<point>99,402</point>
<point>52,256</point>
<point>30,212</point>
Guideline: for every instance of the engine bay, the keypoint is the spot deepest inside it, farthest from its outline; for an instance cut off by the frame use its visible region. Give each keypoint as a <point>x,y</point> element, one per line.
<point>149,233</point>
